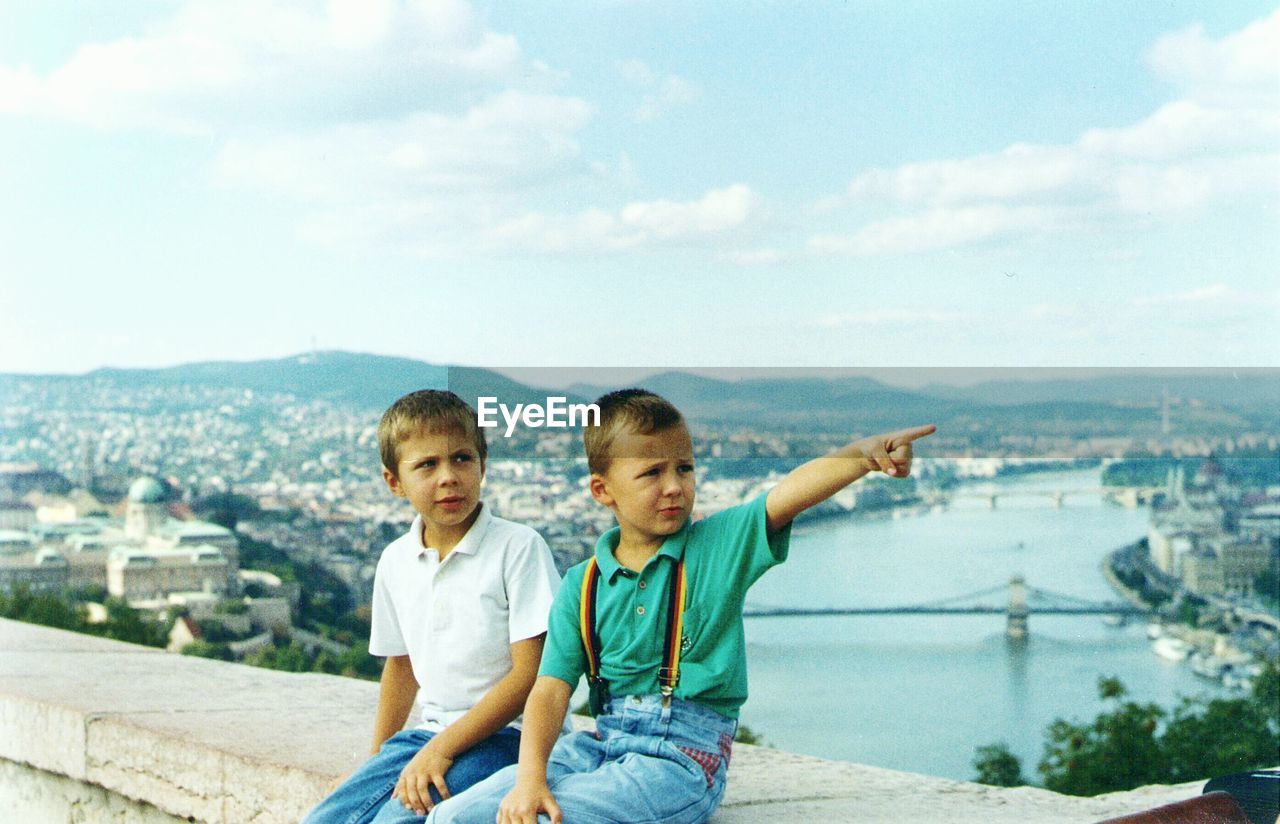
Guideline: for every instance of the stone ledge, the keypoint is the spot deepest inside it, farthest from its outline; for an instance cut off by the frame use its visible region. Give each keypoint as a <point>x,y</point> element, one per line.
<point>220,742</point>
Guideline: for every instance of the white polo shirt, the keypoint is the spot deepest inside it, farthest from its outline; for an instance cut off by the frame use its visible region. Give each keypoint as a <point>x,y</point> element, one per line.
<point>456,620</point>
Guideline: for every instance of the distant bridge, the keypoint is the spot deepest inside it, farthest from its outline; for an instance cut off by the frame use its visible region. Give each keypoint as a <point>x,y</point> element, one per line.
<point>1021,602</point>
<point>1132,495</point>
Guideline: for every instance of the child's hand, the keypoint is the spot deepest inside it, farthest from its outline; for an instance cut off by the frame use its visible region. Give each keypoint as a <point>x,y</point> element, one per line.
<point>427,768</point>
<point>523,803</point>
<point>890,452</point>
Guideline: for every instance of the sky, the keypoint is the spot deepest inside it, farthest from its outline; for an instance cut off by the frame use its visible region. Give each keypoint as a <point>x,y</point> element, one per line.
<point>640,184</point>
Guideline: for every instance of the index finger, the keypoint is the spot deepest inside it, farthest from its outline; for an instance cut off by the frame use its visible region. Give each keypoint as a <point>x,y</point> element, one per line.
<point>906,436</point>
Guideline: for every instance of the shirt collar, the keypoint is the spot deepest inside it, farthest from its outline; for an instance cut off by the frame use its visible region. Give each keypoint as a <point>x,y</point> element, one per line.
<point>672,548</point>
<point>470,542</point>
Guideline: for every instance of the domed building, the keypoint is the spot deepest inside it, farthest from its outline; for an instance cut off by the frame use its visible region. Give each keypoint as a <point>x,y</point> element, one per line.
<point>148,508</point>
<point>143,559</point>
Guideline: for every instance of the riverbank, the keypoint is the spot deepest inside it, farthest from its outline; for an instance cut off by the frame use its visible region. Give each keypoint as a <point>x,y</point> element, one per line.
<point>1108,569</point>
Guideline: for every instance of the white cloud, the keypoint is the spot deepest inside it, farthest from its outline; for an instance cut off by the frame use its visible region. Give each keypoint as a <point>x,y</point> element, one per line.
<point>1240,64</point>
<point>660,93</point>
<point>217,62</point>
<point>506,141</point>
<point>1213,292</point>
<point>938,228</point>
<point>718,214</point>
<point>1222,139</point>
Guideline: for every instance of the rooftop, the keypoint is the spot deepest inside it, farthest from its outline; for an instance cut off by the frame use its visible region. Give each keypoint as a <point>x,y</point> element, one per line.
<point>91,727</point>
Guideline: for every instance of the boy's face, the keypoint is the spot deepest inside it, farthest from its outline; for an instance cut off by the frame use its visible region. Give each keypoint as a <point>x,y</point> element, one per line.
<point>439,473</point>
<point>649,483</point>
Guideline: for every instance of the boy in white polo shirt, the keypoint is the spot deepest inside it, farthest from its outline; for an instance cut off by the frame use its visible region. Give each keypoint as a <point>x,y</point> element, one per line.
<point>460,607</point>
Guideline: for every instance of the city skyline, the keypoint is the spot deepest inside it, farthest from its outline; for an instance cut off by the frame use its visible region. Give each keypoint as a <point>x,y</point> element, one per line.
<point>846,185</point>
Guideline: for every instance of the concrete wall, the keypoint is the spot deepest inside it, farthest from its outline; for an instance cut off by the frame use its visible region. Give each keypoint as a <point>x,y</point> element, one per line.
<point>96,730</point>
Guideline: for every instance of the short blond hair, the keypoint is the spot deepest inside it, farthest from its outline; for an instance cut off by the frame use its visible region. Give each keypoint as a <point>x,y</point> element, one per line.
<point>427,410</point>
<point>637,410</point>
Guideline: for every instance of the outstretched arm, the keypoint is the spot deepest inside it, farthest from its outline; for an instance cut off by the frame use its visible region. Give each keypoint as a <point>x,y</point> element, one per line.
<point>819,479</point>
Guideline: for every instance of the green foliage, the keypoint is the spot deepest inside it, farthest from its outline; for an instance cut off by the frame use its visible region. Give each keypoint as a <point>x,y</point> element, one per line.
<point>208,649</point>
<point>231,606</point>
<point>1267,585</point>
<point>1131,744</point>
<point>325,599</point>
<point>997,766</point>
<point>746,735</point>
<point>1189,611</point>
<point>1218,737</point>
<point>226,508</point>
<point>292,657</point>
<point>1117,751</point>
<point>215,631</point>
<point>1143,470</point>
<point>62,612</point>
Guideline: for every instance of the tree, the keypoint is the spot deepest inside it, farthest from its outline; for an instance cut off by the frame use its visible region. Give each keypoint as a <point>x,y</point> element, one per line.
<point>997,766</point>
<point>1117,751</point>
<point>1133,744</point>
<point>206,649</point>
<point>1219,737</point>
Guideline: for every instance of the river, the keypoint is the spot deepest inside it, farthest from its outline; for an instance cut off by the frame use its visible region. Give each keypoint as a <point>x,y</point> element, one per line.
<point>920,693</point>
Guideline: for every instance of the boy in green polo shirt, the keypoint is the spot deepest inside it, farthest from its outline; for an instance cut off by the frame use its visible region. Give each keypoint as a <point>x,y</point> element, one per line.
<point>654,620</point>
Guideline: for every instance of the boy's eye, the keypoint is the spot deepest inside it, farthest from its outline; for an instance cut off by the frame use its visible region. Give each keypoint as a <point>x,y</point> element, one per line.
<point>462,458</point>
<point>430,463</point>
<point>685,468</point>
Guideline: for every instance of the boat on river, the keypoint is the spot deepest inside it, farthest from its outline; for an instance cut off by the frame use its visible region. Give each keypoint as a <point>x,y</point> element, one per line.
<point>1171,649</point>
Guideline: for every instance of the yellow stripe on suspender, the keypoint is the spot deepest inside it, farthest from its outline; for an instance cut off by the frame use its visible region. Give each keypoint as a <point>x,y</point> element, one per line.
<point>584,618</point>
<point>678,645</point>
<point>669,675</point>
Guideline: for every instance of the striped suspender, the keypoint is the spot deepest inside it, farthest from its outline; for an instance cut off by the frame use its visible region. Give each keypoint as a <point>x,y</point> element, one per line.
<point>669,672</point>
<point>587,620</point>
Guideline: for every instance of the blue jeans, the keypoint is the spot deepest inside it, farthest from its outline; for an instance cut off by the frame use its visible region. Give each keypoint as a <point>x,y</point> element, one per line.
<point>645,764</point>
<point>366,795</point>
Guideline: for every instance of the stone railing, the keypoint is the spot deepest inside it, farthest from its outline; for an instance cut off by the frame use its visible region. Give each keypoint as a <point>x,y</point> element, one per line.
<point>97,730</point>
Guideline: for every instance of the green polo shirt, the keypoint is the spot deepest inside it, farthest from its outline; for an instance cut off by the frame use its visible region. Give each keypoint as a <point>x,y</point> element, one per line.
<point>724,555</point>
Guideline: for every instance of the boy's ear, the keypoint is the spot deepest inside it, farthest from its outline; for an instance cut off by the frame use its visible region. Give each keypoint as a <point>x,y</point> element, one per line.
<point>599,491</point>
<point>393,483</point>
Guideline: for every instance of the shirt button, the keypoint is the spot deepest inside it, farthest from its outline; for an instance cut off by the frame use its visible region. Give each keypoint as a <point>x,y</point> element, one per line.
<point>639,610</point>
<point>643,585</point>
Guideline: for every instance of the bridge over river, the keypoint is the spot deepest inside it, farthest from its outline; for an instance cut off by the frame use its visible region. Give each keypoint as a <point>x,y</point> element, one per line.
<point>1020,603</point>
<point>1127,495</point>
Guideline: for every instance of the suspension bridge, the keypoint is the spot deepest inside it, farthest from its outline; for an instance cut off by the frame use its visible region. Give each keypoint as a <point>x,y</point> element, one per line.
<point>1018,603</point>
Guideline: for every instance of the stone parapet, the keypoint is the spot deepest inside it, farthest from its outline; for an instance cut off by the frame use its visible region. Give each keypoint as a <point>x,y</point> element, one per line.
<point>92,729</point>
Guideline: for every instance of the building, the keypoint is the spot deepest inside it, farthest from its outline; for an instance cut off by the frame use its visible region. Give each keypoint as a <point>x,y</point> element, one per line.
<point>141,575</point>
<point>17,515</point>
<point>145,556</point>
<point>1243,559</point>
<point>1202,573</point>
<point>1183,521</point>
<point>43,570</point>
